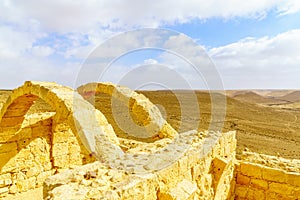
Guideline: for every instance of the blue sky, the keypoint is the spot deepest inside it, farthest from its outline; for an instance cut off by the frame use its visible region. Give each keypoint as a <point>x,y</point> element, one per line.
<point>252,44</point>
<point>216,32</point>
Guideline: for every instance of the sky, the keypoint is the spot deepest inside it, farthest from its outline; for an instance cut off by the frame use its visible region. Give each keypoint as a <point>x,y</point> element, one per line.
<point>248,44</point>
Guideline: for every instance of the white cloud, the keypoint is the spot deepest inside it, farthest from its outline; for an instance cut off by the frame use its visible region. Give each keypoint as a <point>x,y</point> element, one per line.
<point>289,7</point>
<point>81,16</point>
<point>14,72</point>
<point>13,43</point>
<point>24,25</point>
<point>282,49</point>
<point>150,61</point>
<point>41,51</point>
<point>270,62</point>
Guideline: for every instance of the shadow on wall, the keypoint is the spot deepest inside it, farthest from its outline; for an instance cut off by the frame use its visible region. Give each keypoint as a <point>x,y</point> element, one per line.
<point>36,145</point>
<point>25,146</point>
<point>21,141</point>
<point>12,131</point>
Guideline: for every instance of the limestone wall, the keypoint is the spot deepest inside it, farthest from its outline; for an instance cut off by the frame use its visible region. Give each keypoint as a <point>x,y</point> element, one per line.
<point>144,119</point>
<point>54,150</point>
<point>201,173</point>
<point>26,156</point>
<point>34,146</point>
<point>270,178</point>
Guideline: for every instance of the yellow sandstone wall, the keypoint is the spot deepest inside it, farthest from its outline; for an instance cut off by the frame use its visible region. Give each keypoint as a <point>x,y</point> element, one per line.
<point>34,146</point>
<point>276,181</point>
<point>146,120</point>
<point>201,173</point>
<point>33,153</point>
<point>44,151</point>
<point>26,157</point>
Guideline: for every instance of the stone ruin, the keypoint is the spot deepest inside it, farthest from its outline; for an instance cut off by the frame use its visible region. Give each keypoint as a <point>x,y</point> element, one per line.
<point>71,151</point>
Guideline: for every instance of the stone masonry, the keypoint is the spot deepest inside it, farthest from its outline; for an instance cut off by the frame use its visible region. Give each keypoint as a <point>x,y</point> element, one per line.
<point>72,152</point>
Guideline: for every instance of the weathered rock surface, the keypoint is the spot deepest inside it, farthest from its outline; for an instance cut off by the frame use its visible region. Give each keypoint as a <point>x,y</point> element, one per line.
<point>56,149</point>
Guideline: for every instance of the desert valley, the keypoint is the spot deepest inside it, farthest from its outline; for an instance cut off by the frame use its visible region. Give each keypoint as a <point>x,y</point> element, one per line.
<point>256,157</point>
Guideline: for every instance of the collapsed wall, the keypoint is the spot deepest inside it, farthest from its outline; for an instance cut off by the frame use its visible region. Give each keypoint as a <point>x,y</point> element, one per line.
<point>51,149</point>
<point>267,177</point>
<point>143,120</point>
<point>204,171</point>
<point>35,146</point>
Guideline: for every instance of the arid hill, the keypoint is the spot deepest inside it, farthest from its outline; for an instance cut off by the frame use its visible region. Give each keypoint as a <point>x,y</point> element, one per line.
<point>289,106</point>
<point>291,97</point>
<point>272,93</point>
<point>42,154</point>
<point>253,97</point>
<point>263,129</point>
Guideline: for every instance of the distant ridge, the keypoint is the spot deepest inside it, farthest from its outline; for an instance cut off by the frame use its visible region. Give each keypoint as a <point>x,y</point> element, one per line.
<point>291,97</point>
<point>253,97</point>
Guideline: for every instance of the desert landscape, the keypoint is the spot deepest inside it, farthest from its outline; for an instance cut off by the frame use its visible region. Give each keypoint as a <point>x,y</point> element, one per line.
<point>266,123</point>
<point>256,157</point>
<point>166,100</point>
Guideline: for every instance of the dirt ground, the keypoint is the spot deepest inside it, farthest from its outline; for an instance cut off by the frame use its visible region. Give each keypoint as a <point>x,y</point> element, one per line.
<point>260,128</point>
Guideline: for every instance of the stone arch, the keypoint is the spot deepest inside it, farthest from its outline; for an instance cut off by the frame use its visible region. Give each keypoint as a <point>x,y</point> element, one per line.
<point>66,137</point>
<point>147,117</point>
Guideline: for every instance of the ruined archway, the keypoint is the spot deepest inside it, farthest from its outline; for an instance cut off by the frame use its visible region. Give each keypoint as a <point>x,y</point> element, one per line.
<point>33,148</point>
<point>73,134</point>
<point>146,121</point>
